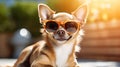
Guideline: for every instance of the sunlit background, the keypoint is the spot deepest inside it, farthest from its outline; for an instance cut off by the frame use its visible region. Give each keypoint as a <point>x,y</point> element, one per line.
<point>20,27</point>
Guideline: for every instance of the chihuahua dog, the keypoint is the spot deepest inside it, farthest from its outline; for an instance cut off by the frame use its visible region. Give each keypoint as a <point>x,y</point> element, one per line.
<point>61,35</point>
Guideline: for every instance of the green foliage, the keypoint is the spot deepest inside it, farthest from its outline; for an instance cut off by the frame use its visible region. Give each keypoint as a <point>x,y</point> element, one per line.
<point>25,15</point>
<point>5,24</point>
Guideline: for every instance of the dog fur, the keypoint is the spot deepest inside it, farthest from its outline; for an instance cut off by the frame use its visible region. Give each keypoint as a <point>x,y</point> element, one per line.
<point>51,52</point>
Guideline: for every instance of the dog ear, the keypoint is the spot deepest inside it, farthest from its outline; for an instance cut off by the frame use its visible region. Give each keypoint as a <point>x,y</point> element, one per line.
<point>44,12</point>
<point>81,13</point>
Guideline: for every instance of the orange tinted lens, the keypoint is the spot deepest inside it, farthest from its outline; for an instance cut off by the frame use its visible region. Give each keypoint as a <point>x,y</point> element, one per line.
<point>71,27</point>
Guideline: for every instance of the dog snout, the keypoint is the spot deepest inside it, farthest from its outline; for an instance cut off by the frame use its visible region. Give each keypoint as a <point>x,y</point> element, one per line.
<point>61,32</point>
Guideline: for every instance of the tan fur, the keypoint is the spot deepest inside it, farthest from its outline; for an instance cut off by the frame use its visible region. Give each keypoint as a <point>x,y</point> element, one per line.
<point>42,53</point>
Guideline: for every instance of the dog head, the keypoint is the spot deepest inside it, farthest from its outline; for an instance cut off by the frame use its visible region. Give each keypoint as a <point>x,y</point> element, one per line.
<point>62,27</point>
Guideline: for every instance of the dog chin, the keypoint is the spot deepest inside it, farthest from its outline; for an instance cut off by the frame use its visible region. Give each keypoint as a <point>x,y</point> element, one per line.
<point>61,42</point>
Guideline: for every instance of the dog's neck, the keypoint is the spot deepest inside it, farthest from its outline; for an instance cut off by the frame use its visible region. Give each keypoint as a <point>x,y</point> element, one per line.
<point>62,52</point>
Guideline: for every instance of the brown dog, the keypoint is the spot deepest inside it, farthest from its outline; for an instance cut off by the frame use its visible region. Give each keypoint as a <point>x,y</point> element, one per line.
<point>61,33</point>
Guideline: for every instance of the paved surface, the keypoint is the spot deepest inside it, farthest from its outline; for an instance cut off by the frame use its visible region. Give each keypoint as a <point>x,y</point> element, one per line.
<point>7,62</point>
<point>94,63</point>
<point>83,63</point>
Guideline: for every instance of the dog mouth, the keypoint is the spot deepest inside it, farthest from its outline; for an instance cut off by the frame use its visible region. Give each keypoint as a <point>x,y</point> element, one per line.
<point>63,38</point>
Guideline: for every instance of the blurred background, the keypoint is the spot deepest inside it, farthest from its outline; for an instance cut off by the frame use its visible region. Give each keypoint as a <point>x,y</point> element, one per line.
<point>19,27</point>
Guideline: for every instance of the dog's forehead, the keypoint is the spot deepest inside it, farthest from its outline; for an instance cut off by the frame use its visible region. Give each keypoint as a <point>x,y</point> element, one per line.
<point>62,16</point>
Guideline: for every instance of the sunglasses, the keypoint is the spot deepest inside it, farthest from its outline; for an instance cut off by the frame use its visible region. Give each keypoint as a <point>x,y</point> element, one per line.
<point>69,26</point>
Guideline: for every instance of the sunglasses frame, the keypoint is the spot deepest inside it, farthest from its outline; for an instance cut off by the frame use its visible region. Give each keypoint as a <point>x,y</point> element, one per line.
<point>62,24</point>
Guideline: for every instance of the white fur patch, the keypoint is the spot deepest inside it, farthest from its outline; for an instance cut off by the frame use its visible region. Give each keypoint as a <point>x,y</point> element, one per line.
<point>77,48</point>
<point>62,53</point>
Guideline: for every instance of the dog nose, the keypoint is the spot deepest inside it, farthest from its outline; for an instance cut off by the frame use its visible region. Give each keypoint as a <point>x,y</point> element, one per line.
<point>61,32</point>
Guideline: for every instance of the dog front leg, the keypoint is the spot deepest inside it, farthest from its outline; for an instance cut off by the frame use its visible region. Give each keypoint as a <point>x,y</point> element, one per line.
<point>42,61</point>
<point>41,65</point>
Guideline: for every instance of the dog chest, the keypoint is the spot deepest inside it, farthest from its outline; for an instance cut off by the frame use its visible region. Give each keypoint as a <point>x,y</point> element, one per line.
<point>62,54</point>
